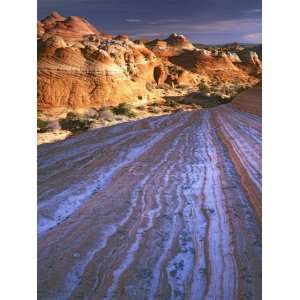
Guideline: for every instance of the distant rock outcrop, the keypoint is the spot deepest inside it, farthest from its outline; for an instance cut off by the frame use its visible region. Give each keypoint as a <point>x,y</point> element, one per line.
<point>170,46</point>
<point>179,40</point>
<point>217,66</point>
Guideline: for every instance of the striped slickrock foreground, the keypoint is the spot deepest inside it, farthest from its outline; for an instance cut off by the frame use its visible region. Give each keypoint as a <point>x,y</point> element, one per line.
<point>163,208</point>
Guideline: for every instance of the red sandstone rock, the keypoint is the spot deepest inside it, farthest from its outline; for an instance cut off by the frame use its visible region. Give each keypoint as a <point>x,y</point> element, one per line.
<point>71,28</point>
<point>88,74</point>
<point>80,67</point>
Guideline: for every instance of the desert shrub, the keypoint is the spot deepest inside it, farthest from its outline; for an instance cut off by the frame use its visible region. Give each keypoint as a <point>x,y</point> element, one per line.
<point>42,126</point>
<point>71,115</point>
<point>131,114</point>
<point>181,101</point>
<point>171,103</point>
<point>122,109</point>
<point>74,124</point>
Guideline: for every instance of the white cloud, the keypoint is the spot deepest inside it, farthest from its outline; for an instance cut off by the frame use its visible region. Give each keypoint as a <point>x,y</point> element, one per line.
<point>252,37</point>
<point>133,20</point>
<point>246,30</point>
<point>254,11</point>
<point>166,21</point>
<point>222,26</point>
<point>147,34</point>
<point>175,20</point>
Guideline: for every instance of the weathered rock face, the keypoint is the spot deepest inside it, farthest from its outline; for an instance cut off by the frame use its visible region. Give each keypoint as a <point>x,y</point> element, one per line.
<point>179,40</point>
<point>254,59</point>
<point>216,66</point>
<point>72,28</point>
<point>81,67</point>
<point>160,75</point>
<point>92,75</point>
<point>216,69</point>
<point>234,57</point>
<point>173,45</point>
<point>251,63</point>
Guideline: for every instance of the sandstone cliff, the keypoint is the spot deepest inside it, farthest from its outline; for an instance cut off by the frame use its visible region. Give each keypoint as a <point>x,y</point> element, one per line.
<point>81,67</point>
<point>218,68</point>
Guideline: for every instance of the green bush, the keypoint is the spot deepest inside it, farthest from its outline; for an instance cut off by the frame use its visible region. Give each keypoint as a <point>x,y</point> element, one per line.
<point>71,115</point>
<point>74,124</point>
<point>124,109</point>
<point>131,114</point>
<point>42,126</point>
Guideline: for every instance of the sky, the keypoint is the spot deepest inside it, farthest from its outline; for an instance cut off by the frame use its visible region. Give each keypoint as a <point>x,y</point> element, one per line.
<point>202,21</point>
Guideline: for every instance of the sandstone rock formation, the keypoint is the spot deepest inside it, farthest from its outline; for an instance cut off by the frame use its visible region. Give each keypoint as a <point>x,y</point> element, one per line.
<point>81,67</point>
<point>246,57</point>
<point>180,41</point>
<point>172,45</point>
<point>251,63</point>
<point>71,28</point>
<point>162,208</point>
<point>218,70</point>
<point>160,75</point>
<point>234,57</point>
<point>216,66</point>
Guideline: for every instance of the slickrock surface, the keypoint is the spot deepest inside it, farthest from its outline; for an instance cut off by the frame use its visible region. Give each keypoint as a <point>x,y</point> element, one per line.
<point>163,208</point>
<point>249,100</point>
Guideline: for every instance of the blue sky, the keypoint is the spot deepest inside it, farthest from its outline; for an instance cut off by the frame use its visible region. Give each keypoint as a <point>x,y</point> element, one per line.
<point>203,21</point>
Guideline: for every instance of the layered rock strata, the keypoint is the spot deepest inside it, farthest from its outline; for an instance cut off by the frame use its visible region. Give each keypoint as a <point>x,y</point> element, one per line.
<point>82,67</point>
<point>163,208</point>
